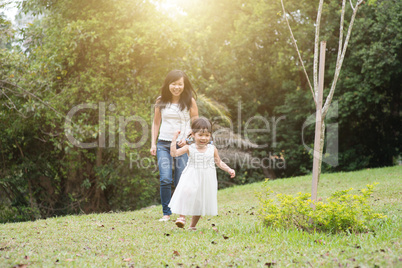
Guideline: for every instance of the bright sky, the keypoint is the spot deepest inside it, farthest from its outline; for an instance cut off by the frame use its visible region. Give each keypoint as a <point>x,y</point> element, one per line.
<point>10,11</point>
<point>168,5</point>
<point>171,7</point>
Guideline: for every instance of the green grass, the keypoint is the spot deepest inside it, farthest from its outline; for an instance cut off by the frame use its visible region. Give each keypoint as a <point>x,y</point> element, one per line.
<point>137,239</point>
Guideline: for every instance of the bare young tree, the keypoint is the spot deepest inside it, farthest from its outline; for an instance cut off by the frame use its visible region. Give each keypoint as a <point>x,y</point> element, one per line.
<point>318,76</point>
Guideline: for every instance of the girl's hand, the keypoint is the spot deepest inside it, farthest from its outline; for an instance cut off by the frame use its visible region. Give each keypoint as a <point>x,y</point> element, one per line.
<point>182,143</point>
<point>153,150</point>
<point>232,173</point>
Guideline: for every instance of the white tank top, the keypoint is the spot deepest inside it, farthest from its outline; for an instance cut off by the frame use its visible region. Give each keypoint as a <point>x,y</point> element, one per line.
<point>174,119</point>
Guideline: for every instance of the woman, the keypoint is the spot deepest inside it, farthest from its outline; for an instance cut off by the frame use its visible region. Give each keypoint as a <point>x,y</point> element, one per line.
<point>175,108</point>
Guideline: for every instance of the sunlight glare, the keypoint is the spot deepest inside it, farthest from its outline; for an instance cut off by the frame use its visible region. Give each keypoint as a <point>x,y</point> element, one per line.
<point>172,7</point>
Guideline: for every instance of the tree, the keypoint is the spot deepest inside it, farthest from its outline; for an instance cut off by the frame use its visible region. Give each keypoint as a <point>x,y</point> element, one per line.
<point>370,87</point>
<point>111,56</point>
<point>322,109</point>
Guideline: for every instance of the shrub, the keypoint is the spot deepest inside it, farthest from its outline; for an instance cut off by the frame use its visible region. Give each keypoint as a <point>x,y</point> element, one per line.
<point>342,211</point>
<point>17,214</point>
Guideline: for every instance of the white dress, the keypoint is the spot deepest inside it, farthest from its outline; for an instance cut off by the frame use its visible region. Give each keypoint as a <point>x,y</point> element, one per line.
<point>196,193</point>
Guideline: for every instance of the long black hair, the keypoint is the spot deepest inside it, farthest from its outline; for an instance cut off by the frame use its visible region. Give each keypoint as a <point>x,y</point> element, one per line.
<point>185,97</point>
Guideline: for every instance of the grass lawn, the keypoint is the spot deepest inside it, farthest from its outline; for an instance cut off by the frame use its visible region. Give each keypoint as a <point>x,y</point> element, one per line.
<point>234,238</point>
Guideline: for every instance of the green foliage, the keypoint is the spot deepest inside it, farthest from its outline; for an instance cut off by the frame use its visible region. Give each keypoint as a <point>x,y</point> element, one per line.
<point>370,89</point>
<point>342,211</point>
<point>297,110</point>
<point>18,213</point>
<point>78,52</point>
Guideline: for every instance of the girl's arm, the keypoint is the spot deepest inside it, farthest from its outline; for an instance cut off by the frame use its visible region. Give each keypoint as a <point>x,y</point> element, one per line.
<point>222,165</point>
<point>177,152</point>
<point>155,129</point>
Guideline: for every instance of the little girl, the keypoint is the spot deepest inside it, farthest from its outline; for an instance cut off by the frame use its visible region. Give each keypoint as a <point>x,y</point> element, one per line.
<point>196,193</point>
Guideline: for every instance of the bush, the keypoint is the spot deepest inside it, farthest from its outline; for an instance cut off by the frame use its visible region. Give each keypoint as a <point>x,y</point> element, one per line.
<point>342,211</point>
<point>17,214</point>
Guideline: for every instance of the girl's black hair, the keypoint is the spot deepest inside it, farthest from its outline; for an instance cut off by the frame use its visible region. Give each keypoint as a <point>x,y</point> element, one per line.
<point>185,97</point>
<point>201,124</point>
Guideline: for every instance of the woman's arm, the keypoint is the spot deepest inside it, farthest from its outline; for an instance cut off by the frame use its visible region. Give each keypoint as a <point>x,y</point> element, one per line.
<point>155,129</point>
<point>193,110</point>
<point>222,165</point>
<point>177,152</point>
<point>193,116</point>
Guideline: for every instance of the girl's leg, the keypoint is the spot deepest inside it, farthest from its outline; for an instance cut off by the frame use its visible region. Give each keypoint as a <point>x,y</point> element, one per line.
<point>165,163</point>
<point>194,221</point>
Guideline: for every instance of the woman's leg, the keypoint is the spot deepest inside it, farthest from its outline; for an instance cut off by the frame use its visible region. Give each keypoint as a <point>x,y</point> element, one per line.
<point>180,163</point>
<point>165,163</point>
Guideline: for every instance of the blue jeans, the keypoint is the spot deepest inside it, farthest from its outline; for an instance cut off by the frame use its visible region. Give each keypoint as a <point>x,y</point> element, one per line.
<point>165,164</point>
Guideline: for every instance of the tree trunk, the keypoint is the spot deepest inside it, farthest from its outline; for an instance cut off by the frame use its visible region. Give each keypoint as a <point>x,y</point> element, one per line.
<point>319,127</point>
<point>99,202</point>
<point>269,173</point>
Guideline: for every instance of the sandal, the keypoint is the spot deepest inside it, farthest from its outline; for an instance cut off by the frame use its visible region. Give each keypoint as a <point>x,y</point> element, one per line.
<point>192,228</point>
<point>180,222</point>
<point>165,218</point>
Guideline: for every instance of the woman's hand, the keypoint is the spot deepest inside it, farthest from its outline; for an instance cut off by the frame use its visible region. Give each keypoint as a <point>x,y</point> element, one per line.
<point>153,150</point>
<point>232,173</point>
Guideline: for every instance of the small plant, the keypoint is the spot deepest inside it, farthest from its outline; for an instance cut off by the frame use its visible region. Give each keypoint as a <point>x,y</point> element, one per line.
<point>342,211</point>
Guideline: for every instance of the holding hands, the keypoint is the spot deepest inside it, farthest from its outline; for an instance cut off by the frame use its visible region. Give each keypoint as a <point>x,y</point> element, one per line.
<point>182,142</point>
